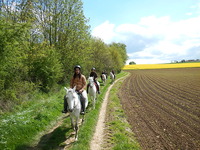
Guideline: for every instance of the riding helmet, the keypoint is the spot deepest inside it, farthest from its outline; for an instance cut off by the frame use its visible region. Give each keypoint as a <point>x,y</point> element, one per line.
<point>93,68</point>
<point>77,66</point>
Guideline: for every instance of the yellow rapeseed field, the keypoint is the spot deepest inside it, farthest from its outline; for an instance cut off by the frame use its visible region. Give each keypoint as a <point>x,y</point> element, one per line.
<point>161,66</point>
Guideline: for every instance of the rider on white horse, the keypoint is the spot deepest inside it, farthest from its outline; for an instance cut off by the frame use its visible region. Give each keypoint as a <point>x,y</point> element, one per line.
<point>94,75</point>
<point>79,81</point>
<point>113,73</point>
<point>104,72</point>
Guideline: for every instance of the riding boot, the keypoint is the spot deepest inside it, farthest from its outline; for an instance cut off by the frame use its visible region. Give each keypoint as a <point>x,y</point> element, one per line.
<point>97,87</point>
<point>82,104</point>
<point>87,88</point>
<point>65,110</point>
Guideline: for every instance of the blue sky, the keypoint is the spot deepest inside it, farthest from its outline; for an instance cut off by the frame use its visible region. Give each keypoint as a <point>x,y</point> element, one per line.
<point>154,31</point>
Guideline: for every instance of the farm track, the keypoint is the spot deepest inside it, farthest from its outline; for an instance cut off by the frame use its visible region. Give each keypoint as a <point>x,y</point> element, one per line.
<point>163,107</point>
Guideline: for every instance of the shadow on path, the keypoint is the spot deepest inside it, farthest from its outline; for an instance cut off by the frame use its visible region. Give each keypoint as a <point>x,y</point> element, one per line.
<point>55,139</point>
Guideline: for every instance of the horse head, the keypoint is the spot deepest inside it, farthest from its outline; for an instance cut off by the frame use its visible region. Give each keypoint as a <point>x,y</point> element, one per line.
<point>104,76</point>
<point>111,75</point>
<point>72,98</point>
<point>91,81</point>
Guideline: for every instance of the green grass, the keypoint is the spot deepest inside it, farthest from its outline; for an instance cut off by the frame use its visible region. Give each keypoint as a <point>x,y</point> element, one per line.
<point>20,127</point>
<point>28,126</point>
<point>120,134</point>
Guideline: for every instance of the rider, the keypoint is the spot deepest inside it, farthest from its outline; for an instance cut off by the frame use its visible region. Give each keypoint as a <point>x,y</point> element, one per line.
<point>94,75</point>
<point>113,73</point>
<point>104,72</point>
<point>79,81</point>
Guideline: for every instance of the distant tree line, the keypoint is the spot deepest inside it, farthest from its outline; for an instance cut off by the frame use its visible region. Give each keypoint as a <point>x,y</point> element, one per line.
<point>183,61</point>
<point>41,41</point>
<point>132,63</point>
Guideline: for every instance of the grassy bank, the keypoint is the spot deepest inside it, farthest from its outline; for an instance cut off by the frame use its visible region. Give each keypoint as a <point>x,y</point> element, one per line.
<point>19,127</point>
<point>118,134</point>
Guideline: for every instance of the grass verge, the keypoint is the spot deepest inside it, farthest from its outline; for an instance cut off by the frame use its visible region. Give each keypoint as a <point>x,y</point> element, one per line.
<point>118,132</point>
<point>19,127</point>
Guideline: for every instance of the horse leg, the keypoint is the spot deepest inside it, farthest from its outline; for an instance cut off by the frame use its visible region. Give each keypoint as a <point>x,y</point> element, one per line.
<point>83,119</point>
<point>94,102</point>
<point>72,124</point>
<point>76,130</point>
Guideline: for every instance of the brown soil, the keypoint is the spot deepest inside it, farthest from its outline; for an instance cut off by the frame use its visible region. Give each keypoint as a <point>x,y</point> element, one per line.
<point>163,107</point>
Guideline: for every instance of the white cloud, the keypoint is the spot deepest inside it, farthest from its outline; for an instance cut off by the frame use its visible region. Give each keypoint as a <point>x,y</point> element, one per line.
<point>148,61</point>
<point>105,31</point>
<point>189,13</point>
<point>154,39</point>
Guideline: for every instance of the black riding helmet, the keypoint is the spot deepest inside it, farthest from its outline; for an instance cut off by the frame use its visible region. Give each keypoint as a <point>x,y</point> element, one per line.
<point>77,66</point>
<point>93,69</point>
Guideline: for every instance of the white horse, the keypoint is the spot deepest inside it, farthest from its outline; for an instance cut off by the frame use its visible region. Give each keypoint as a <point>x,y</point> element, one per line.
<point>74,106</point>
<point>92,90</point>
<point>103,78</point>
<point>112,77</point>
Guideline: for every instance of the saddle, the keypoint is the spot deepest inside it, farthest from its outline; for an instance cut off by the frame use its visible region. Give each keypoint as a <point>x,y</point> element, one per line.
<point>96,85</point>
<point>82,100</point>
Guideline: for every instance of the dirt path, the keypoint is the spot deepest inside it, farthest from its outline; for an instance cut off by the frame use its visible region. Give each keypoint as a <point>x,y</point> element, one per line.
<point>97,139</point>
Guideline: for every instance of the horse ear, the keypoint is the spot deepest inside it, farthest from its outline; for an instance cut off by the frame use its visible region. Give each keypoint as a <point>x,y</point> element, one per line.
<point>66,89</point>
<point>74,89</point>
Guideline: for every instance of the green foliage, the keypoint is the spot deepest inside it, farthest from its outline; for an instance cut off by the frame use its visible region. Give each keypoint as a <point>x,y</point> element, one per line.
<point>119,56</point>
<point>45,67</point>
<point>132,63</point>
<point>99,55</point>
<point>41,41</point>
<point>13,68</point>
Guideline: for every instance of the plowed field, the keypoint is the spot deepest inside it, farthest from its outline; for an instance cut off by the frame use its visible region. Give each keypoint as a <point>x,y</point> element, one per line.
<point>163,107</point>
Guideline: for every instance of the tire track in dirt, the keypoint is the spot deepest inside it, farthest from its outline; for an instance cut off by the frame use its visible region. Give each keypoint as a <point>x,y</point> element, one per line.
<point>179,102</point>
<point>174,106</point>
<point>173,114</point>
<point>180,116</point>
<point>141,117</point>
<point>181,89</point>
<point>154,110</point>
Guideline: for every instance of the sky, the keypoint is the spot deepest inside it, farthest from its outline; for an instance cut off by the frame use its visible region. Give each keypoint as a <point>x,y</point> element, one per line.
<point>154,31</point>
